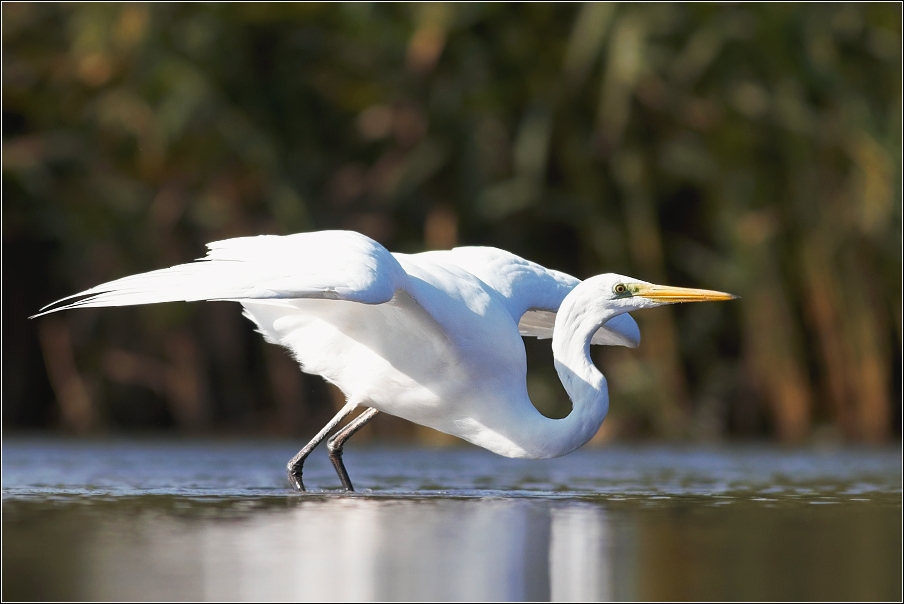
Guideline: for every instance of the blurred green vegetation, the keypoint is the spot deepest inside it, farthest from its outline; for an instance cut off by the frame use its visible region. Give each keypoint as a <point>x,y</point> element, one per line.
<point>748,148</point>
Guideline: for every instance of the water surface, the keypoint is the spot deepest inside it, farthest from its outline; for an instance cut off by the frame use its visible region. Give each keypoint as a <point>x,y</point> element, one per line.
<point>179,520</point>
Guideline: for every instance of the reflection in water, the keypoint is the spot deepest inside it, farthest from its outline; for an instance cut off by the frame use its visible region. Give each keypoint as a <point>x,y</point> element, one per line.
<point>338,548</point>
<point>579,562</point>
<point>358,549</point>
<point>192,521</point>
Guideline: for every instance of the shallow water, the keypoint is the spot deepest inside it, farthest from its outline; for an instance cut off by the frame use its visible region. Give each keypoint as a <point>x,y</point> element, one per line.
<point>177,520</point>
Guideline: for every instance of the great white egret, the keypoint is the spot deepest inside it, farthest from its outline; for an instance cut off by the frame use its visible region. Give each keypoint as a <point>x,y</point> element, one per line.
<point>434,338</point>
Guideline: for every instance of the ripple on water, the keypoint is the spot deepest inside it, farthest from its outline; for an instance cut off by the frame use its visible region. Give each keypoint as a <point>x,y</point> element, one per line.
<point>53,468</point>
<point>193,521</point>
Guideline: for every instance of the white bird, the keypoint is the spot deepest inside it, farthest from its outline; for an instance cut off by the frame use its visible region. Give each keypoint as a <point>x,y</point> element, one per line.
<point>434,338</point>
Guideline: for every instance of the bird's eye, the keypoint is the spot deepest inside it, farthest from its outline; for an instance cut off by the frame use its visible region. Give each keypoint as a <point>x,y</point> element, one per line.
<point>620,288</point>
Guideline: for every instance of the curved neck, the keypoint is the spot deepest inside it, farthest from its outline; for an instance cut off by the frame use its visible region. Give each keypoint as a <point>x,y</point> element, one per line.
<point>576,322</point>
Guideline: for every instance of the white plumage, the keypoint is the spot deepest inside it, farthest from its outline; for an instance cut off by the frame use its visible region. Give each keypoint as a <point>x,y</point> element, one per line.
<point>434,338</point>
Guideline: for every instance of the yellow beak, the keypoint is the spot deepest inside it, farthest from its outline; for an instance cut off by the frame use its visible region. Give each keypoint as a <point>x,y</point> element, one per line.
<point>671,295</point>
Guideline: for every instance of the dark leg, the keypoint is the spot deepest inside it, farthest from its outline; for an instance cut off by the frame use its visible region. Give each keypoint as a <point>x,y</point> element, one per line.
<point>295,465</point>
<point>334,445</point>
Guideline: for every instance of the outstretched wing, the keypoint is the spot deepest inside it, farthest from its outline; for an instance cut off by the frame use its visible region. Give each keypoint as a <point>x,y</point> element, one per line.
<point>535,293</point>
<point>620,330</point>
<point>337,265</point>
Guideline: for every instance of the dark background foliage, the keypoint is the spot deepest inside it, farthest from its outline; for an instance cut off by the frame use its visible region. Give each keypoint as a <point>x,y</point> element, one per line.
<point>748,148</point>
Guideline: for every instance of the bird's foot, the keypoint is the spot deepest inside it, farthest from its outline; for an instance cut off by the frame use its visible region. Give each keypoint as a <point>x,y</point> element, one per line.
<point>295,480</point>
<point>336,458</point>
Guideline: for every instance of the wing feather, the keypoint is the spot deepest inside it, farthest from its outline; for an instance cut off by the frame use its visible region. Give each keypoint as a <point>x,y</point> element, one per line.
<point>535,293</point>
<point>338,265</point>
<point>621,330</point>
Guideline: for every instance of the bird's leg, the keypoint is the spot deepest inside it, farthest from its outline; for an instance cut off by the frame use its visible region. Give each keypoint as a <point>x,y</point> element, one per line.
<point>334,445</point>
<point>294,466</point>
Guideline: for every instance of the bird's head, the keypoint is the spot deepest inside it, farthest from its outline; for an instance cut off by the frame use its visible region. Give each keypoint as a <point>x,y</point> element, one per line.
<point>628,294</point>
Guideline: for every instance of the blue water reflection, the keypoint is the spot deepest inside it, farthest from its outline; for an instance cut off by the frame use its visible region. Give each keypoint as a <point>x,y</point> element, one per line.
<point>124,468</point>
<point>216,521</point>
